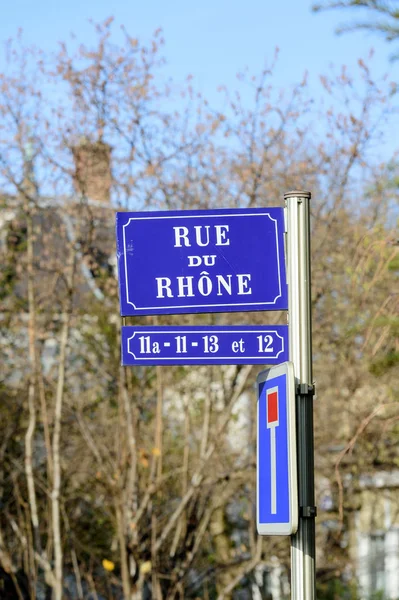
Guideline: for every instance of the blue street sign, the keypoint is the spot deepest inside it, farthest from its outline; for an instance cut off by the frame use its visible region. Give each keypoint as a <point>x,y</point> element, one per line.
<point>216,345</point>
<point>277,487</point>
<point>201,261</point>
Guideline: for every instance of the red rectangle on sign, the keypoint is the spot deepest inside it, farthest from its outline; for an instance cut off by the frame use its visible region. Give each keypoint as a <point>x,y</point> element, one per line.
<point>272,407</point>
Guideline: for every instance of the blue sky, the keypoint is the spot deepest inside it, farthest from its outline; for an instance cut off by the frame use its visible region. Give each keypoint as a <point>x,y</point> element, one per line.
<point>211,40</point>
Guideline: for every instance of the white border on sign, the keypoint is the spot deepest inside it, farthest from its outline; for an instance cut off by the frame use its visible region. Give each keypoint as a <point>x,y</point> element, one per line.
<point>291,527</point>
<point>200,305</point>
<point>211,331</point>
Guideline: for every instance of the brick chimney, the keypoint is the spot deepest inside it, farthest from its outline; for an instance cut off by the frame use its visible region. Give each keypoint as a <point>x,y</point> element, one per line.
<point>93,177</point>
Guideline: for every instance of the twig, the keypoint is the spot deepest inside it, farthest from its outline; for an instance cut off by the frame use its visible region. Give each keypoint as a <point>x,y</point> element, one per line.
<point>247,568</point>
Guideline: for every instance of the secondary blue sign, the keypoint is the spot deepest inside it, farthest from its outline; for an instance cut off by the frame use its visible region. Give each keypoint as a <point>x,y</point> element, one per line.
<point>201,261</point>
<point>197,345</point>
<point>277,487</point>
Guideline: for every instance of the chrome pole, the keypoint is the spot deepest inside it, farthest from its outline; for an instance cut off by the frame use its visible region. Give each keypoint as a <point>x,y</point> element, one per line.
<point>303,585</point>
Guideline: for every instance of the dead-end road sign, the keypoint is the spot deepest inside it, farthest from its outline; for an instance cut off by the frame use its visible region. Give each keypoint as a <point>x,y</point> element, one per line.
<point>277,487</point>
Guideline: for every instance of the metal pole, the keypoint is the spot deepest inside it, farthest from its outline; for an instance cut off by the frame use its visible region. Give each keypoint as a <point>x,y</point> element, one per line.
<point>303,584</point>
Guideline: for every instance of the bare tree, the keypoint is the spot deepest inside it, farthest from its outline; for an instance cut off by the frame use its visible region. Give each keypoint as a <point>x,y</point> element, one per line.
<point>131,481</point>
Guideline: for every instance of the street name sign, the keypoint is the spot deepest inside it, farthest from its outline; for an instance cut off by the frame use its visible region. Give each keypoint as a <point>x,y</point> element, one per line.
<point>277,487</point>
<point>201,261</point>
<point>198,345</point>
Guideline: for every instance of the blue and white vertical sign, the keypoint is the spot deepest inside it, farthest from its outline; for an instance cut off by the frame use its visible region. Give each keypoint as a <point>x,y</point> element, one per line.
<point>277,486</point>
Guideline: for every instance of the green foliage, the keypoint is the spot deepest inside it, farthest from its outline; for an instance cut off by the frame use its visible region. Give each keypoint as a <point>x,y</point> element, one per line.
<point>380,16</point>
<point>7,280</point>
<point>14,258</point>
<point>336,589</point>
<point>382,365</point>
<point>94,530</point>
<point>394,264</point>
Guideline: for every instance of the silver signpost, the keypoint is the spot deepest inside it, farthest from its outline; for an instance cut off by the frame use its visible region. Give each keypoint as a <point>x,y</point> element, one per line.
<point>180,278</point>
<point>303,585</point>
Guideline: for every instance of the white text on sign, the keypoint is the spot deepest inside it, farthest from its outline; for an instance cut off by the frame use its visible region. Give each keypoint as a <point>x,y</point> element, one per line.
<point>204,345</point>
<point>190,286</point>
